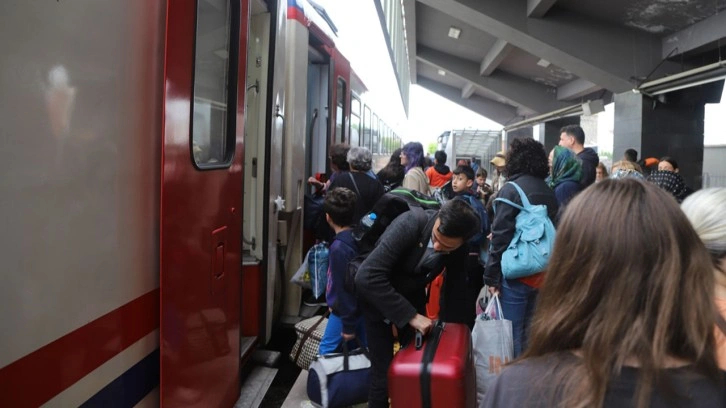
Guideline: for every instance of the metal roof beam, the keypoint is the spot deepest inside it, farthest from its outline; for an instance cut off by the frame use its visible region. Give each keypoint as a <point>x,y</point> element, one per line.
<point>494,57</point>
<point>409,18</point>
<point>498,112</point>
<point>468,91</point>
<point>694,36</point>
<point>538,8</point>
<point>510,88</point>
<point>604,54</point>
<point>576,89</point>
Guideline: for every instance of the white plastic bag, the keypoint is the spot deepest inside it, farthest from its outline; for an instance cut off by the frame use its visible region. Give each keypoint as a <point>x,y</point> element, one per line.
<point>493,345</point>
<point>302,276</point>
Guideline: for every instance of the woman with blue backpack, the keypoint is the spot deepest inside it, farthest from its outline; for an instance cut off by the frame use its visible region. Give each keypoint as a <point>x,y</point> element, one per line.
<point>522,236</point>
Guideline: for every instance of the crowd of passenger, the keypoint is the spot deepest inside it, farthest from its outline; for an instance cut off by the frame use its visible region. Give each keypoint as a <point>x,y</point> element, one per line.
<point>629,311</point>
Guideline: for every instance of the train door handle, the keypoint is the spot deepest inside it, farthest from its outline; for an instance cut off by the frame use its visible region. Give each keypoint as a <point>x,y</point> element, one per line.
<point>217,250</point>
<point>218,269</point>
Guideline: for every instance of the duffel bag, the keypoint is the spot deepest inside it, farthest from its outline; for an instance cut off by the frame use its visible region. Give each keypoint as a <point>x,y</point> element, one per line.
<point>340,379</point>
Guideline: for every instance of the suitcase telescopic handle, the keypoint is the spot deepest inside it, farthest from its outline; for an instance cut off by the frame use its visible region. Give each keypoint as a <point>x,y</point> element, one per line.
<point>418,341</point>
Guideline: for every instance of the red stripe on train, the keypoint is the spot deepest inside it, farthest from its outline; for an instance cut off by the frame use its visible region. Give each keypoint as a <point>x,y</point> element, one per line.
<point>294,13</point>
<point>44,373</point>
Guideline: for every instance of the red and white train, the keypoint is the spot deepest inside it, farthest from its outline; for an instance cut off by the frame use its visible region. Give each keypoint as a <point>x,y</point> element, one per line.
<point>155,164</point>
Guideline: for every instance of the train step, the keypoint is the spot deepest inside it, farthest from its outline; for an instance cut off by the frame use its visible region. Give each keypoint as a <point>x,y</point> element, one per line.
<point>255,387</point>
<point>266,358</point>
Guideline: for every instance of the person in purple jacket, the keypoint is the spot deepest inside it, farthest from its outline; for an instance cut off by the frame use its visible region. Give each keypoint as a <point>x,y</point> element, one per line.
<point>345,322</point>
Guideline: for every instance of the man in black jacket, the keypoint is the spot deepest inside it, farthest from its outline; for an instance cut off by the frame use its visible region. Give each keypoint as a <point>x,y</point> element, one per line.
<point>573,138</point>
<point>391,282</point>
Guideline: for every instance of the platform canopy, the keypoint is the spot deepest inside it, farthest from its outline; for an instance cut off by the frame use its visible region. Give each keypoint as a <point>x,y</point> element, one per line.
<point>517,59</point>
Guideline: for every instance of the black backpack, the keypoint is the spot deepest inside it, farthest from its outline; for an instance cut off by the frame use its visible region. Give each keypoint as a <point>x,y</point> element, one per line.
<point>444,193</point>
<point>387,208</point>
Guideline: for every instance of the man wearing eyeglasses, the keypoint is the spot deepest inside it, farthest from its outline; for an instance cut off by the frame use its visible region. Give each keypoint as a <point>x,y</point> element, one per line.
<point>391,281</point>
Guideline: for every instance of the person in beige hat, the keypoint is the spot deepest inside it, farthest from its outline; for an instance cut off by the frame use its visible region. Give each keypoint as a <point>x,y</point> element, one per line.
<point>498,179</point>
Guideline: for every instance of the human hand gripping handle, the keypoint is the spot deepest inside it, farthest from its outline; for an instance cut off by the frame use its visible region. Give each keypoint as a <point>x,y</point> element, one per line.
<point>421,324</point>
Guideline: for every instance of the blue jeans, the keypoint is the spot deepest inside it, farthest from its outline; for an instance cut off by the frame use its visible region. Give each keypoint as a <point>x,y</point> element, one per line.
<point>332,338</point>
<point>518,301</point>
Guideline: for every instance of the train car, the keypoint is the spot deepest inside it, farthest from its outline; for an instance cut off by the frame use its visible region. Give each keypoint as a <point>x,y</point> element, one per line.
<point>153,187</point>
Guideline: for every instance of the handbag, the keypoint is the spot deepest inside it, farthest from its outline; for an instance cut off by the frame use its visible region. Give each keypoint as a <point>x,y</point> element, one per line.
<point>309,334</point>
<point>340,379</point>
<point>493,345</point>
<point>534,238</point>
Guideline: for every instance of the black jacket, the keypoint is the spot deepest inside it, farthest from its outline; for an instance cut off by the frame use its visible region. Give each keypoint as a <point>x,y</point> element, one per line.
<point>588,160</point>
<point>370,190</point>
<point>391,281</point>
<point>505,215</point>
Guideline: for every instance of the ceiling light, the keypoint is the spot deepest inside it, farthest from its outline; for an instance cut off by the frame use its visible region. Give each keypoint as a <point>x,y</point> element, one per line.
<point>543,63</point>
<point>442,72</point>
<point>454,32</point>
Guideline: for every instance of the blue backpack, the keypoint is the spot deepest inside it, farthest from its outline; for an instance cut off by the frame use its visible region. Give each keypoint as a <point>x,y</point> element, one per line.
<point>533,241</point>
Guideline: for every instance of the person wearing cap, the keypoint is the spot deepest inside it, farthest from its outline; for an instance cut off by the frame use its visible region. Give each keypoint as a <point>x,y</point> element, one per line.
<point>499,179</point>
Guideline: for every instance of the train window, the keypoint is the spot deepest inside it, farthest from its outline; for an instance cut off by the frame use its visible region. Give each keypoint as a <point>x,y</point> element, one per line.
<point>340,111</point>
<point>354,121</point>
<point>366,127</point>
<point>387,141</point>
<point>215,85</point>
<point>375,134</point>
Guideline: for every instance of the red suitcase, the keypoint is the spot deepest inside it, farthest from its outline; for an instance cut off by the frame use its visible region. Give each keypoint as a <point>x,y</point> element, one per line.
<point>436,372</point>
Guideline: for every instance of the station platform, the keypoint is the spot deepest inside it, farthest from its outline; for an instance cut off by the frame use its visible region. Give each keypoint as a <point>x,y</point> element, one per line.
<point>298,395</point>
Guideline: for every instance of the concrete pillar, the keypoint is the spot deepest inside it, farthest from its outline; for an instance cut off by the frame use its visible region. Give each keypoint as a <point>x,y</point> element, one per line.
<point>589,126</point>
<point>550,131</point>
<point>667,125</point>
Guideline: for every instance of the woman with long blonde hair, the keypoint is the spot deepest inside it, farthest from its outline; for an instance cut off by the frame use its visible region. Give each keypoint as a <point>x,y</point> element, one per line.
<point>620,321</point>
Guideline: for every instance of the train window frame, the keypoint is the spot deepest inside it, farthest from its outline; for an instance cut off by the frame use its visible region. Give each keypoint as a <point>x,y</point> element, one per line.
<point>367,128</point>
<point>355,102</point>
<point>375,134</point>
<point>229,133</point>
<point>341,94</point>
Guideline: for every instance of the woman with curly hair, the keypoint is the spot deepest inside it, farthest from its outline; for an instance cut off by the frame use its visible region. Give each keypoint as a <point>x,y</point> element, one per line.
<point>526,165</point>
<point>412,157</point>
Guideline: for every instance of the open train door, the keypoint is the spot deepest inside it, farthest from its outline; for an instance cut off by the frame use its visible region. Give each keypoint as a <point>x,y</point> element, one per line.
<point>201,200</point>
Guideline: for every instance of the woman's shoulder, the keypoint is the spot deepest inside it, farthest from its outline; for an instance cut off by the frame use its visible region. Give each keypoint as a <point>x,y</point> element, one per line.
<point>529,382</point>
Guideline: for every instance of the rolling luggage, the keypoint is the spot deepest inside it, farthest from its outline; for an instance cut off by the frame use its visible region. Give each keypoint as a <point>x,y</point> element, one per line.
<point>437,371</point>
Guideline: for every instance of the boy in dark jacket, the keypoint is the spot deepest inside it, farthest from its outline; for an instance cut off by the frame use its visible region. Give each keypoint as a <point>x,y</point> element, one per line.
<point>345,321</point>
<point>462,184</point>
<point>391,281</point>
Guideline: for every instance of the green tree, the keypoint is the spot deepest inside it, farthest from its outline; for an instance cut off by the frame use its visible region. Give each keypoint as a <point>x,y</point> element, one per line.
<point>431,148</point>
